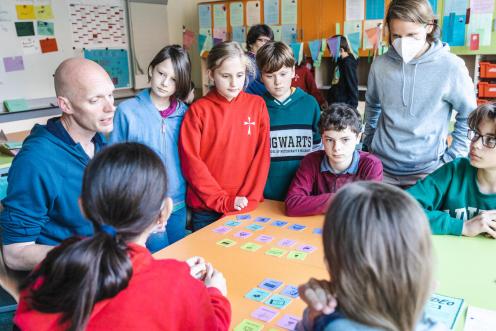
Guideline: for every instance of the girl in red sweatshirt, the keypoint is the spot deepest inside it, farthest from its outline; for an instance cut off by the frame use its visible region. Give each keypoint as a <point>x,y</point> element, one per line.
<point>111,281</point>
<point>224,141</point>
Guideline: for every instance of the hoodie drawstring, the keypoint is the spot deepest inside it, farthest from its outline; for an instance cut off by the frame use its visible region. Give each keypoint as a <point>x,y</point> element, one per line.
<point>413,87</point>
<point>403,83</point>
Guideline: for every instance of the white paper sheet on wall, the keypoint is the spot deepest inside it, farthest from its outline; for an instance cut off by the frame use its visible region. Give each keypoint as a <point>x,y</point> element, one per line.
<point>97,26</point>
<point>252,13</point>
<point>289,10</point>
<point>355,10</point>
<point>220,16</point>
<point>236,13</point>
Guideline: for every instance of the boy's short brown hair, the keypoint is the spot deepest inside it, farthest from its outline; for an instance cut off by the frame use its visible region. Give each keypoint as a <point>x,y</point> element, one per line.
<point>273,56</point>
<point>484,112</point>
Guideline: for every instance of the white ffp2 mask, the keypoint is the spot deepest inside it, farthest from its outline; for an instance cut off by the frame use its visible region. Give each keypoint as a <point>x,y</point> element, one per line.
<point>408,47</point>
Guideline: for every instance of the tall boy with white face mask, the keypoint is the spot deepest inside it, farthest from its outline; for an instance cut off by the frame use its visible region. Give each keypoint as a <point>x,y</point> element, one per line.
<point>412,91</point>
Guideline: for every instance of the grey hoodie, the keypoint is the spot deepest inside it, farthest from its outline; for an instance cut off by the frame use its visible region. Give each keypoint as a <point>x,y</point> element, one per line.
<point>409,106</point>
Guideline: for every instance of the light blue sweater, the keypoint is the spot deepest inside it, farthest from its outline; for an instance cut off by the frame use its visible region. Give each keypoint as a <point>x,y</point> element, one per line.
<point>138,120</point>
<point>409,106</point>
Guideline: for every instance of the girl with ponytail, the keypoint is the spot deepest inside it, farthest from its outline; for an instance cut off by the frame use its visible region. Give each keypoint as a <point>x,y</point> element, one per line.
<point>110,281</point>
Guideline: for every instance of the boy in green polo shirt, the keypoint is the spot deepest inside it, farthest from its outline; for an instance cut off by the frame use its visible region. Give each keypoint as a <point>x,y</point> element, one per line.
<point>460,197</point>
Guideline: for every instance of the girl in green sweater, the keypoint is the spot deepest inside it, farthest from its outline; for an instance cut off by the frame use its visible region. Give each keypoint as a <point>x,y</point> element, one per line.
<point>460,197</point>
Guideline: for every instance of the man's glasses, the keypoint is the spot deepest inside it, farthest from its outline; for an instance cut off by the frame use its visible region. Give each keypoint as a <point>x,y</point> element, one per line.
<point>487,141</point>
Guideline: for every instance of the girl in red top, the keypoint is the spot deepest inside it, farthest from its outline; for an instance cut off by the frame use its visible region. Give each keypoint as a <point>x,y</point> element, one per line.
<point>224,141</point>
<point>110,281</point>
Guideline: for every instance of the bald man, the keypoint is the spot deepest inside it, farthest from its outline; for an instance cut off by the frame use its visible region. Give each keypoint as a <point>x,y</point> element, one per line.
<point>41,208</point>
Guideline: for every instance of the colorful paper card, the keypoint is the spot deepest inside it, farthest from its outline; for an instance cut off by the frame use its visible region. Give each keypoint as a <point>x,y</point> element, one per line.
<point>482,25</point>
<point>288,322</point>
<point>222,229</point>
<point>315,46</point>
<point>297,49</point>
<point>277,29</point>
<point>286,242</point>
<point>247,325</point>
<point>277,301</point>
<point>296,227</point>
<point>262,219</point>
<point>25,12</point>
<point>232,223</point>
<point>254,227</point>
<point>264,314</point>
<point>444,309</point>
<point>226,242</point>
<point>243,234</point>
<point>277,252</point>
<point>354,40</point>
<point>243,217</point>
<point>45,28</point>
<point>24,29</point>
<point>290,291</point>
<point>279,223</point>
<point>270,284</point>
<point>317,231</point>
<point>454,29</point>
<point>201,42</point>
<point>257,294</point>
<point>251,247</point>
<point>295,255</point>
<point>15,63</point>
<point>43,12</point>
<point>306,248</point>
<point>334,47</point>
<point>264,238</point>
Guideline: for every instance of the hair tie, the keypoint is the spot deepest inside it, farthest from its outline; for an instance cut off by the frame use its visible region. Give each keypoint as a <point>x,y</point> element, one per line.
<point>108,229</point>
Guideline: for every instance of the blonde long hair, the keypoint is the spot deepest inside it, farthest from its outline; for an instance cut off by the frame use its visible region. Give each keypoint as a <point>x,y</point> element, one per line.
<point>378,250</point>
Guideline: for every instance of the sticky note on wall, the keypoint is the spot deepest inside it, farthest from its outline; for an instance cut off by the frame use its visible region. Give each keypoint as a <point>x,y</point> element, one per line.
<point>43,12</point>
<point>45,28</point>
<point>24,29</point>
<point>14,63</point>
<point>48,45</point>
<point>25,12</point>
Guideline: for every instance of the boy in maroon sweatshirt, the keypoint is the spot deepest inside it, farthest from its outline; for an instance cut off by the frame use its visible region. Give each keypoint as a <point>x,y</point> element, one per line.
<point>322,173</point>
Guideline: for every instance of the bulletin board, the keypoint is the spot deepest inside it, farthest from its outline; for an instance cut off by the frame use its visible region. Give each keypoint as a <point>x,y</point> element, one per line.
<point>37,35</point>
<point>310,20</point>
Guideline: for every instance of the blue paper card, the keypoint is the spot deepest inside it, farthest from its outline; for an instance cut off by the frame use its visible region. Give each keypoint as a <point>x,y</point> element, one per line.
<point>232,223</point>
<point>270,284</point>
<point>278,301</point>
<point>243,217</point>
<point>290,291</point>
<point>444,309</point>
<point>262,219</point>
<point>254,227</point>
<point>279,223</point>
<point>296,227</point>
<point>315,231</point>
<point>257,294</point>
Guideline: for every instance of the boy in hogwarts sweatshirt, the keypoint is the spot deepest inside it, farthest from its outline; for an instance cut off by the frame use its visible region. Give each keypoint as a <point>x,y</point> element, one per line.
<point>294,117</point>
<point>460,197</point>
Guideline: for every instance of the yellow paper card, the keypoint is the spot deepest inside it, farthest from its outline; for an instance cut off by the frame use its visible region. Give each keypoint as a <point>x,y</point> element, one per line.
<point>44,12</point>
<point>25,12</point>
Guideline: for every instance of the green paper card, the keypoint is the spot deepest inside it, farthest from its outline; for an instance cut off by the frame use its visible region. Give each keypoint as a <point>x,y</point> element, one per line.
<point>295,255</point>
<point>247,325</point>
<point>24,29</point>
<point>251,247</point>
<point>226,242</point>
<point>276,252</point>
<point>45,28</point>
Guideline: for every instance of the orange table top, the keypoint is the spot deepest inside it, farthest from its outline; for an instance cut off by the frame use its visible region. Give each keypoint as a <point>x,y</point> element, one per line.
<point>463,267</point>
<point>244,270</point>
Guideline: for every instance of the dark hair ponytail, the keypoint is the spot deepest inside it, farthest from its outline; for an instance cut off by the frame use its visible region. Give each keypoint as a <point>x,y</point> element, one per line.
<point>123,192</point>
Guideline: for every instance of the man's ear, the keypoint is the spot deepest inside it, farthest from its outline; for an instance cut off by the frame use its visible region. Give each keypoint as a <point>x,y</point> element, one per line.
<point>65,105</point>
